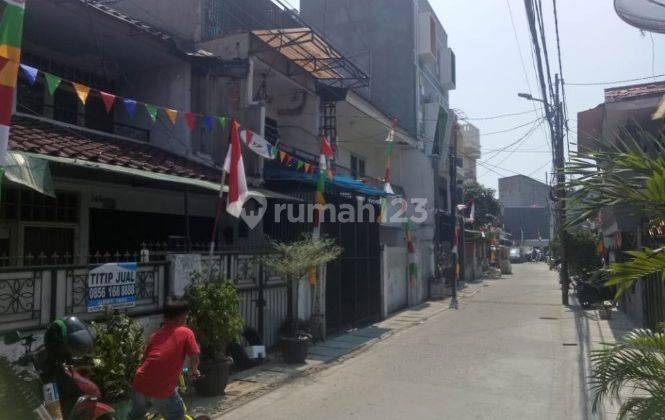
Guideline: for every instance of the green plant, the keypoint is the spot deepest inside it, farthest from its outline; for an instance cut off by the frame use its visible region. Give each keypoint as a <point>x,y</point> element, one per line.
<point>629,174</point>
<point>118,352</point>
<point>214,314</point>
<point>582,253</point>
<point>292,261</point>
<point>487,207</point>
<point>637,361</point>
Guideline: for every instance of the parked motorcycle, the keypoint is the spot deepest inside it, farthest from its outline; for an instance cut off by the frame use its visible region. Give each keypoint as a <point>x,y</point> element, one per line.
<point>67,393</point>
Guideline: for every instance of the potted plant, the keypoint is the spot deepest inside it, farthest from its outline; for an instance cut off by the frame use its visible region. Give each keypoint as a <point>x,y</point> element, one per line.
<point>292,261</point>
<point>214,315</point>
<point>605,310</point>
<point>118,351</point>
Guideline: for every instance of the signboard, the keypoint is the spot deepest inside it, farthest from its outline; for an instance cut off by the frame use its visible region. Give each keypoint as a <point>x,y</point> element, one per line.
<point>111,285</point>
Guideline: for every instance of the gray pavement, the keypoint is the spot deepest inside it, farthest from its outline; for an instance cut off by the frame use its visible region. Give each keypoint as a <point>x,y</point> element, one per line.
<point>509,352</point>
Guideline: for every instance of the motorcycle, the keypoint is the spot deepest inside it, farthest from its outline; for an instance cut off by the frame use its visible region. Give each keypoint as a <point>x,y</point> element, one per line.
<point>68,394</point>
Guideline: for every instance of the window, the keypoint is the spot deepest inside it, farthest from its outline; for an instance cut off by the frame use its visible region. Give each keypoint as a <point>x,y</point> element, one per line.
<point>271,130</point>
<point>203,141</point>
<point>357,167</point>
<point>38,207</point>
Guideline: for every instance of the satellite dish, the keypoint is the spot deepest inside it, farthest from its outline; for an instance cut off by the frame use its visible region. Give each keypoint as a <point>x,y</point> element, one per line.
<point>648,15</point>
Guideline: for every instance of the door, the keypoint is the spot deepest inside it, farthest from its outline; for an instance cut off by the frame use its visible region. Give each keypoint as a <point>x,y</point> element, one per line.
<point>48,245</point>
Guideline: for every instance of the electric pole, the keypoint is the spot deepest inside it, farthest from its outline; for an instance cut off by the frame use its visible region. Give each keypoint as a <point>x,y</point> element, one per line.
<point>559,166</point>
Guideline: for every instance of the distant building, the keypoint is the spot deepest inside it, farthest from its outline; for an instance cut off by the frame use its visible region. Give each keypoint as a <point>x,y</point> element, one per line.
<point>526,208</point>
<point>471,152</point>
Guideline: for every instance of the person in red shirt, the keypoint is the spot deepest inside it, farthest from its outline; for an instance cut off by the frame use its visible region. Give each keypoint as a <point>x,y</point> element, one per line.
<point>156,380</point>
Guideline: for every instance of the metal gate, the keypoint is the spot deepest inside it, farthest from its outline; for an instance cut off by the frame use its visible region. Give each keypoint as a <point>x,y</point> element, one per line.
<point>353,282</point>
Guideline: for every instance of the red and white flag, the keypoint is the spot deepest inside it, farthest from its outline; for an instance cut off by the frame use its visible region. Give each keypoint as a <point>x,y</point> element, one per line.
<point>234,166</point>
<point>326,149</point>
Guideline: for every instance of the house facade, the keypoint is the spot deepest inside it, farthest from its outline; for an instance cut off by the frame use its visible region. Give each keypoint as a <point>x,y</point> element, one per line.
<point>526,210</point>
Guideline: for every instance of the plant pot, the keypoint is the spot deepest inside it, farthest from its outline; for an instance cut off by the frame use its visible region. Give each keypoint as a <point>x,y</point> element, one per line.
<point>604,313</point>
<point>294,349</point>
<point>214,377</point>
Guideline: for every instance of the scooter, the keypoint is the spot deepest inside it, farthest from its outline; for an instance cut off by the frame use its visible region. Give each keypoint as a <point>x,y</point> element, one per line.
<point>68,395</point>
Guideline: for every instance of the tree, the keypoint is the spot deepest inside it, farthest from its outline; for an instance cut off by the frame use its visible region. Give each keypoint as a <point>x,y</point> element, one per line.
<point>292,262</point>
<point>487,207</point>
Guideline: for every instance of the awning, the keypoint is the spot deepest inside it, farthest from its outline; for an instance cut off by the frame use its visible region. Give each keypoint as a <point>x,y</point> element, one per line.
<point>30,172</point>
<point>212,186</point>
<point>309,51</point>
<point>276,173</point>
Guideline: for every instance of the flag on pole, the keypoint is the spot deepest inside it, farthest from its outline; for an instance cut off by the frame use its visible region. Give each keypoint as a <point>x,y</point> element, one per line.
<point>11,35</point>
<point>326,149</point>
<point>234,166</point>
<point>319,197</point>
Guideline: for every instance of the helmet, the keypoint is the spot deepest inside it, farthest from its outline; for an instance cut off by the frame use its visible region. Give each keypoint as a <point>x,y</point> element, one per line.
<point>69,337</point>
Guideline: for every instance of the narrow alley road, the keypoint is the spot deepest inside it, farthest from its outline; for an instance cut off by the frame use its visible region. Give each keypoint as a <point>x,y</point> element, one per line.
<point>509,352</point>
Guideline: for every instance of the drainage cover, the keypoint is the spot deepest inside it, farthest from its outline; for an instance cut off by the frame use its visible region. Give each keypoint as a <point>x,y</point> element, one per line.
<point>569,344</point>
<point>548,317</point>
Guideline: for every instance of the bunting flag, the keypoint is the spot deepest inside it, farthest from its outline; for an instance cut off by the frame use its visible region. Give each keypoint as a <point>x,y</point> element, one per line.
<point>82,91</point>
<point>108,99</point>
<point>311,275</point>
<point>257,143</point>
<point>190,118</point>
<point>282,156</point>
<point>209,122</point>
<point>222,122</point>
<point>289,160</point>
<point>11,35</point>
<point>300,164</point>
<point>308,167</point>
<point>233,165</point>
<point>152,111</point>
<point>130,107</point>
<point>30,73</point>
<point>52,82</point>
<point>171,114</point>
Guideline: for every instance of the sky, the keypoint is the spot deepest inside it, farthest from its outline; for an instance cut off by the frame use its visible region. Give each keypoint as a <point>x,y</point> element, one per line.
<point>596,46</point>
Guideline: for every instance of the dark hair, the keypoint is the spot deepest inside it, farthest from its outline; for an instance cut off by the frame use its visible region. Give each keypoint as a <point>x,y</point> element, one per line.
<point>174,308</point>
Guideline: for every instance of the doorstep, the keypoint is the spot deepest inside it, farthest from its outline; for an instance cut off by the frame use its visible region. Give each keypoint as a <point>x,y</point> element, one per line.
<point>250,384</point>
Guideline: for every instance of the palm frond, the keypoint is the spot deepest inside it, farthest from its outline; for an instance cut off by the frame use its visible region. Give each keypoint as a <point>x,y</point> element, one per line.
<point>643,263</point>
<point>638,361</point>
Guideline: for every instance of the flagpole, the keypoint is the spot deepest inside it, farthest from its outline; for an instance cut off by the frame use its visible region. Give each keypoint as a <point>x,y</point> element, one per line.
<point>218,215</point>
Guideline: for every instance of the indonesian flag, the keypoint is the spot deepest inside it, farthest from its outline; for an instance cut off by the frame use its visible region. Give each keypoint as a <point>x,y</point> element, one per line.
<point>11,34</point>
<point>257,144</point>
<point>326,149</point>
<point>234,166</point>
<point>472,213</point>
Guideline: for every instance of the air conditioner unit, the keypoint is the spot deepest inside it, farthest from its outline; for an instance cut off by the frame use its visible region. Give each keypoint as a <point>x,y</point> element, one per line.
<point>447,71</point>
<point>427,39</point>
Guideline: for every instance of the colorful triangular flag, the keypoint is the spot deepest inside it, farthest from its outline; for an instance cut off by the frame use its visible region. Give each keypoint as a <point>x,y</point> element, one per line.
<point>209,122</point>
<point>308,168</point>
<point>130,107</point>
<point>171,114</point>
<point>108,99</point>
<point>152,111</point>
<point>30,72</point>
<point>82,91</point>
<point>52,82</point>
<point>289,160</point>
<point>191,120</point>
<point>222,122</point>
<point>300,165</point>
<point>257,143</point>
<point>282,156</point>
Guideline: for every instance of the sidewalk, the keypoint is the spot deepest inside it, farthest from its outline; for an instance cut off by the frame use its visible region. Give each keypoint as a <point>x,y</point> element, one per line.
<point>253,383</point>
<point>592,333</point>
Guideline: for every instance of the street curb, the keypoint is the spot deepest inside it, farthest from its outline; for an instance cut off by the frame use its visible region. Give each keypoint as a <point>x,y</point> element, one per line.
<point>245,399</point>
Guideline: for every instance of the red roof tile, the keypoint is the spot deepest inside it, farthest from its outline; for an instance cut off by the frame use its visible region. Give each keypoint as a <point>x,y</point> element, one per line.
<point>622,93</point>
<point>38,136</point>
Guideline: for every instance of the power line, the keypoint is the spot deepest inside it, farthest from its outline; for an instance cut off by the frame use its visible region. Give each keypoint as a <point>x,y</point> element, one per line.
<point>615,81</point>
<point>511,129</point>
<point>563,82</point>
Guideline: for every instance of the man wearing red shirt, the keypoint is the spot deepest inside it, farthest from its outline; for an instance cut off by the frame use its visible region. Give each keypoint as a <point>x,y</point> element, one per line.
<point>156,379</point>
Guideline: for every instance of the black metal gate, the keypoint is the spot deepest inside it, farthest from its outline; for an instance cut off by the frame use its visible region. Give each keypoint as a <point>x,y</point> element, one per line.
<point>353,283</point>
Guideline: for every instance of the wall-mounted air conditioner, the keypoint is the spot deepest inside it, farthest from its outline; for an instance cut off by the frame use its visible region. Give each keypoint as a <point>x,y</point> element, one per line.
<point>427,37</point>
<point>448,70</point>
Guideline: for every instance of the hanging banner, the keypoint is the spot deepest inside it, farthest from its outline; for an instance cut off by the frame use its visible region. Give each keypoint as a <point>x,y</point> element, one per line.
<point>111,285</point>
<point>257,144</point>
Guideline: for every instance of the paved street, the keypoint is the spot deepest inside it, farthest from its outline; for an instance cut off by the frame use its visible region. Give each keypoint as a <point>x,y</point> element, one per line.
<point>509,352</point>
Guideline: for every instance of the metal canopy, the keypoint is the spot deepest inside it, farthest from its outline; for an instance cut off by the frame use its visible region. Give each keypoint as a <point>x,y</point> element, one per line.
<point>313,55</point>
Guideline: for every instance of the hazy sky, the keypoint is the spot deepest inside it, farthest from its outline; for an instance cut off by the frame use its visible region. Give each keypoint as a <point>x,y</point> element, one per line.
<point>596,46</point>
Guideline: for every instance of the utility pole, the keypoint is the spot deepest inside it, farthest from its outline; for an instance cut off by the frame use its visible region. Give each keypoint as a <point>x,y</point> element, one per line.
<point>453,212</point>
<point>559,165</point>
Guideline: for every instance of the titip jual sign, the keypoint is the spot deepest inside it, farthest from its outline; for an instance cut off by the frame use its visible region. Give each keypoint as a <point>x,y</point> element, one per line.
<point>111,285</point>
